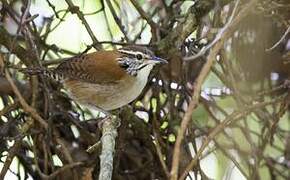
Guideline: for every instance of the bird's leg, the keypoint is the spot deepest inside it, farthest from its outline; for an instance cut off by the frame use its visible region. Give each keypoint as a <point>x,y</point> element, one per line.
<point>286,83</point>
<point>108,121</point>
<point>108,116</point>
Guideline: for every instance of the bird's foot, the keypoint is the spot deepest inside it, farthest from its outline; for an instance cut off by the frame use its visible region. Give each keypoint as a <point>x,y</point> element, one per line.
<point>105,119</point>
<point>286,83</point>
<point>109,118</point>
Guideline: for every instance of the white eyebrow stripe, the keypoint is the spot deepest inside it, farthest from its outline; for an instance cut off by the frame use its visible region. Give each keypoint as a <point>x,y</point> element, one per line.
<point>130,52</point>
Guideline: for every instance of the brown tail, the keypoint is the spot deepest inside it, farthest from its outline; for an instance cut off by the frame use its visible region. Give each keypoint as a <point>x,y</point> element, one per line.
<point>43,71</point>
<point>33,71</point>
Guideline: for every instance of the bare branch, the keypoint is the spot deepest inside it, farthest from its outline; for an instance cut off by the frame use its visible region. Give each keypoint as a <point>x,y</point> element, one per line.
<point>75,10</point>
<point>109,133</point>
<point>197,87</point>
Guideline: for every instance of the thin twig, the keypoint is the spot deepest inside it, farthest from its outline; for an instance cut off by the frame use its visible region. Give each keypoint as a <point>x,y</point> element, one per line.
<point>75,10</point>
<point>144,15</point>
<point>65,152</point>
<point>217,37</point>
<point>22,101</point>
<point>280,40</point>
<point>219,128</point>
<point>94,147</point>
<point>161,156</point>
<point>53,8</point>
<point>11,153</point>
<point>148,19</point>
<point>24,104</point>
<point>60,170</point>
<point>117,20</point>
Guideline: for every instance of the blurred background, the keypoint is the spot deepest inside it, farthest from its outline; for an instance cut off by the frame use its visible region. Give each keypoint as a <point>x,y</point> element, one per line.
<point>239,128</point>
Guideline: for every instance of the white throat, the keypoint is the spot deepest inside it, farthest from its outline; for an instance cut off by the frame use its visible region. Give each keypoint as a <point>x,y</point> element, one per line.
<point>128,89</point>
<point>144,73</point>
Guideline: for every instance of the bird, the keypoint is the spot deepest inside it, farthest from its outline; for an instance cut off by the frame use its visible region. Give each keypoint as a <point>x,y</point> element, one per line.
<point>106,80</point>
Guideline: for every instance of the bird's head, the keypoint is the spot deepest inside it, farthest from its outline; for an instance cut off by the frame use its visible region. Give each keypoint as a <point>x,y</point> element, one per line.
<point>135,58</point>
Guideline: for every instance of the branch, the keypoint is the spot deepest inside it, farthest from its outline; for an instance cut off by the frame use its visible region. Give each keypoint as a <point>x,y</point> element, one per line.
<point>280,40</point>
<point>109,131</point>
<point>22,101</point>
<point>160,155</point>
<point>7,40</point>
<point>11,153</point>
<point>117,20</point>
<point>75,10</point>
<point>217,38</point>
<point>147,18</point>
<point>219,128</point>
<point>176,37</point>
<point>144,15</point>
<point>197,88</point>
<point>61,170</point>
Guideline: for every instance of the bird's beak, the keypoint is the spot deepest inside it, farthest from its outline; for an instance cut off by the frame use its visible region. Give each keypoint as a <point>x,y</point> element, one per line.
<point>158,60</point>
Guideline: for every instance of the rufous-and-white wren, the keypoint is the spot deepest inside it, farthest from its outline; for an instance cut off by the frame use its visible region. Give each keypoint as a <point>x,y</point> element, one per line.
<point>106,80</point>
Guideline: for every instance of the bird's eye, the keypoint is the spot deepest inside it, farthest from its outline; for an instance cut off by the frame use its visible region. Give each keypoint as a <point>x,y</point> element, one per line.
<point>139,56</point>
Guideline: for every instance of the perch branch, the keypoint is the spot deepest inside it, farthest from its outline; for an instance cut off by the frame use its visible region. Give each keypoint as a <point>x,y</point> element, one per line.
<point>109,131</point>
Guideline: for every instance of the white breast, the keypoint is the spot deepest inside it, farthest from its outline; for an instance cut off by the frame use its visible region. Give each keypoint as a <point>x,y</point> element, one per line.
<point>111,96</point>
<point>129,89</point>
